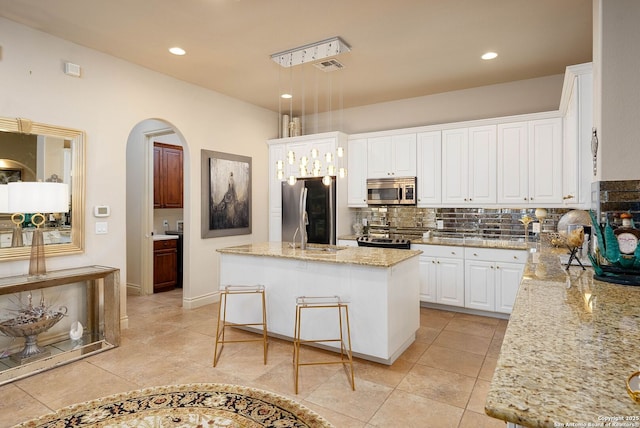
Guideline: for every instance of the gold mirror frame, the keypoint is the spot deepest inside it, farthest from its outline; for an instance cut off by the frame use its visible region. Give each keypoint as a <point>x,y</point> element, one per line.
<point>77,138</point>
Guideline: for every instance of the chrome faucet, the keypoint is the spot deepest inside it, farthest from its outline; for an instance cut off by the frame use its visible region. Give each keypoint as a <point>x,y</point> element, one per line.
<point>304,219</point>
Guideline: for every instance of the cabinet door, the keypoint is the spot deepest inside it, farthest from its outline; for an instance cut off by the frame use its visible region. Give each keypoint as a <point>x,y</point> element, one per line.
<point>379,157</point>
<point>404,155</point>
<point>482,165</point>
<point>357,173</point>
<point>429,168</point>
<point>165,269</point>
<point>157,177</point>
<point>173,177</point>
<point>512,163</point>
<point>570,152</point>
<point>479,287</point>
<point>455,166</point>
<point>450,282</point>
<point>428,278</point>
<point>545,161</point>
<point>508,278</point>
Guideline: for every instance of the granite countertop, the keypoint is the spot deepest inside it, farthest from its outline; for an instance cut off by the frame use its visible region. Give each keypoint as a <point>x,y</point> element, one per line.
<point>164,237</point>
<point>568,349</point>
<point>462,242</point>
<point>377,257</point>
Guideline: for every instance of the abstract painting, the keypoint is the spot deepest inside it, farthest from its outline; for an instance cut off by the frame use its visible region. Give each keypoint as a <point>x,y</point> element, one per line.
<point>226,194</point>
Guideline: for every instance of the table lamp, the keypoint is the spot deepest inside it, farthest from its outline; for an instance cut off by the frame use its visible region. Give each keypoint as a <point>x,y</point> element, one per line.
<point>38,199</point>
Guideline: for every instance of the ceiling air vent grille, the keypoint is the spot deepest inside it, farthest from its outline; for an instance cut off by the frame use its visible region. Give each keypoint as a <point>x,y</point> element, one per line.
<point>329,65</point>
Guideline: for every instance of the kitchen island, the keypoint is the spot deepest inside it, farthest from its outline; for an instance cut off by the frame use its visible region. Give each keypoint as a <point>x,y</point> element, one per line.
<point>380,285</point>
<point>570,346</point>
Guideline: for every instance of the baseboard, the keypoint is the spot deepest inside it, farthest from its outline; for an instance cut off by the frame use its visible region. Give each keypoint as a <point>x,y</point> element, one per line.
<point>498,315</point>
<point>196,302</point>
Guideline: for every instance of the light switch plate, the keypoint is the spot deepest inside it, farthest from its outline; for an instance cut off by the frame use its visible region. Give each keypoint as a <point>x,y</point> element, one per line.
<point>440,224</point>
<point>536,227</point>
<point>102,227</point>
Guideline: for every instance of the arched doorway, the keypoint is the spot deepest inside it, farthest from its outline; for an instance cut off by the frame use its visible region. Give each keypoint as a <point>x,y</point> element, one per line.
<point>143,221</point>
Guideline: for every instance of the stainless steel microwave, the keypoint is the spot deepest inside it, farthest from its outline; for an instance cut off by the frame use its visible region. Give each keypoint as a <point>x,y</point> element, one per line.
<point>391,191</point>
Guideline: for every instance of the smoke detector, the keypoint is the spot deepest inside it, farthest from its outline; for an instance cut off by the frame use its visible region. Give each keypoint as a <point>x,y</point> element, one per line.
<point>331,64</point>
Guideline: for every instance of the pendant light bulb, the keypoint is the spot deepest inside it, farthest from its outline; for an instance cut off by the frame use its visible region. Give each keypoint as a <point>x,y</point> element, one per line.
<point>326,180</point>
<point>328,157</point>
<point>279,165</point>
<point>291,157</point>
<point>314,153</point>
<point>292,180</point>
<point>340,152</point>
<point>304,161</point>
<point>342,172</point>
<point>280,174</point>
<point>331,170</point>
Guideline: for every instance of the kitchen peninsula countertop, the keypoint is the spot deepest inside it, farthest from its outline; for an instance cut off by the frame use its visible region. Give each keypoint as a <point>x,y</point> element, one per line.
<point>366,256</point>
<point>569,347</point>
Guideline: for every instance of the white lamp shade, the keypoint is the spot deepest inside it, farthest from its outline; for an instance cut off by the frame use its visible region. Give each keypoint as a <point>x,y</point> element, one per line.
<point>4,198</point>
<point>38,197</point>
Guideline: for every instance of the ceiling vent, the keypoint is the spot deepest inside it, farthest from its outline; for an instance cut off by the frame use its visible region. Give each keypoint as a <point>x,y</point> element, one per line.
<point>329,65</point>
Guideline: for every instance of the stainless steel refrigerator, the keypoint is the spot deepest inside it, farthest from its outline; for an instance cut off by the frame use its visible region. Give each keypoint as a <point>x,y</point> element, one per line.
<point>320,208</point>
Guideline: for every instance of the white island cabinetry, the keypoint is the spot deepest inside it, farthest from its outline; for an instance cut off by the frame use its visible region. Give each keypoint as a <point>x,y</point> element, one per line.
<point>380,285</point>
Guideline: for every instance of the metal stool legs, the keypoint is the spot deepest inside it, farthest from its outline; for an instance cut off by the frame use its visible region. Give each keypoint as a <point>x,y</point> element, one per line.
<point>346,356</point>
<point>222,324</point>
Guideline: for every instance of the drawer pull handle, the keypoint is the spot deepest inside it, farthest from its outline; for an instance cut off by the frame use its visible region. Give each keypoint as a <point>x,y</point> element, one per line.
<point>475,254</point>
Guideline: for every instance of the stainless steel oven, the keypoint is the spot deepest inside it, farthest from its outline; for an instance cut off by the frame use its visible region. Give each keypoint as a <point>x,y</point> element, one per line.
<point>391,191</point>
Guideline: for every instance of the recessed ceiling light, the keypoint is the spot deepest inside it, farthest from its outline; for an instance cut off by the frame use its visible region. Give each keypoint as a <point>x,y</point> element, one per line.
<point>177,51</point>
<point>286,96</point>
<point>489,55</point>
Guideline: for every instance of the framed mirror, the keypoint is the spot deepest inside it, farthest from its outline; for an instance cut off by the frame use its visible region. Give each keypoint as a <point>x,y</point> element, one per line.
<point>31,151</point>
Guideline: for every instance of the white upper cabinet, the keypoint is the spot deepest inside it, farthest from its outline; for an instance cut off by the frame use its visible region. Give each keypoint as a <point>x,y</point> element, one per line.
<point>391,156</point>
<point>513,170</point>
<point>530,162</point>
<point>469,166</point>
<point>545,161</point>
<point>577,108</point>
<point>357,173</point>
<point>276,153</point>
<point>429,168</point>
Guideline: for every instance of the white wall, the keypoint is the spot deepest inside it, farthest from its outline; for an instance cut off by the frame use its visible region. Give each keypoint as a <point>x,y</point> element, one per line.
<point>617,81</point>
<point>107,102</point>
<point>506,99</point>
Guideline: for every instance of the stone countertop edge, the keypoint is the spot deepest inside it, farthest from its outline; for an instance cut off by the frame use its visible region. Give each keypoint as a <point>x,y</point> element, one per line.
<point>569,347</point>
<point>462,242</point>
<point>164,237</point>
<point>376,257</point>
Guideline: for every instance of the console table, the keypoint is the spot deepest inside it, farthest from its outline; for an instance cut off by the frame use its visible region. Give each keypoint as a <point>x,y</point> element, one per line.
<point>92,295</point>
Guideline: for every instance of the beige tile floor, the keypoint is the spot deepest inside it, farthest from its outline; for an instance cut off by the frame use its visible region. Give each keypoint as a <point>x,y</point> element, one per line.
<point>440,381</point>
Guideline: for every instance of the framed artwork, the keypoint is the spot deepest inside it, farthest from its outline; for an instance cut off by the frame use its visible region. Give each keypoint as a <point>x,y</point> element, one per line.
<point>9,175</point>
<point>226,194</point>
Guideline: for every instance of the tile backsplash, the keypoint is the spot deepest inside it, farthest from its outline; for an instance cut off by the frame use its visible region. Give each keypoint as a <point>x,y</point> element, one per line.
<point>485,223</point>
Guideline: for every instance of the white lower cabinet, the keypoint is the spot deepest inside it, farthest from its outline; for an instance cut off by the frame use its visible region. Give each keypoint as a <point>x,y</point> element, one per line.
<point>492,278</point>
<point>441,274</point>
<point>485,279</point>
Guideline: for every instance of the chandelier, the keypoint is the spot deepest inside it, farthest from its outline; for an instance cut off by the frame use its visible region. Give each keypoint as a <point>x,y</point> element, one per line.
<point>311,162</point>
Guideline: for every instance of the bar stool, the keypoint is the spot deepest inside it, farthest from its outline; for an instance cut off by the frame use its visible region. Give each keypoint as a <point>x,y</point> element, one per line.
<point>231,290</point>
<point>329,302</point>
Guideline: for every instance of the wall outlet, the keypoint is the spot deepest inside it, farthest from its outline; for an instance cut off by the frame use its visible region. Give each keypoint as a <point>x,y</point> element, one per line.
<point>364,221</point>
<point>440,224</point>
<point>536,227</point>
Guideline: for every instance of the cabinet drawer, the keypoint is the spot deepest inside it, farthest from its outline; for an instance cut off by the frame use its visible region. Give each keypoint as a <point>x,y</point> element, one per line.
<point>448,251</point>
<point>165,244</point>
<point>495,255</point>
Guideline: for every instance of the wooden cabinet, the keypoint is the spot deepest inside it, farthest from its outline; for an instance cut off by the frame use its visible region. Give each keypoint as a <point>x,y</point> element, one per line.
<point>165,264</point>
<point>168,176</point>
<point>469,166</point>
<point>357,173</point>
<point>429,168</point>
<point>391,156</point>
<point>441,274</point>
<point>492,278</point>
<point>530,162</point>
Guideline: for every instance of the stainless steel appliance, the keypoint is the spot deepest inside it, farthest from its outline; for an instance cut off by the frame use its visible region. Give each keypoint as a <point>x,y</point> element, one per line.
<point>369,241</point>
<point>320,209</point>
<point>391,191</point>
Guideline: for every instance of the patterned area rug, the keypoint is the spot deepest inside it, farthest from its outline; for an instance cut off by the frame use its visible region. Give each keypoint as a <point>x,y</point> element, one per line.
<point>203,405</point>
